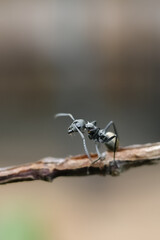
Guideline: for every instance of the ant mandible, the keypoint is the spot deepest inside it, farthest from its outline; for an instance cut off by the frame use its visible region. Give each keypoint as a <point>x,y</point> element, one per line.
<point>110,139</point>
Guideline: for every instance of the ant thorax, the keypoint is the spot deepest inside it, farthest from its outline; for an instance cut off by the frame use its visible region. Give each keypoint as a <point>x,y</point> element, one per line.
<point>92,130</point>
<point>101,135</point>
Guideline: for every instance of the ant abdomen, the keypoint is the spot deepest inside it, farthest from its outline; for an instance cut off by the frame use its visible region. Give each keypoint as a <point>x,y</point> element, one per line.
<point>112,144</point>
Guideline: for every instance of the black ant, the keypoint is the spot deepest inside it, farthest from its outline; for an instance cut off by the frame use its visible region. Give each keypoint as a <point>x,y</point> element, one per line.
<point>110,139</point>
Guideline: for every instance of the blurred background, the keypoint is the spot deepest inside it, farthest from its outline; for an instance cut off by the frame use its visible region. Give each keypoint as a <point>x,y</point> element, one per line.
<point>98,60</point>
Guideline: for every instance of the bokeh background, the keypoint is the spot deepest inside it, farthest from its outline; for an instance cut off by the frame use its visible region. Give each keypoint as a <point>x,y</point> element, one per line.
<point>98,60</point>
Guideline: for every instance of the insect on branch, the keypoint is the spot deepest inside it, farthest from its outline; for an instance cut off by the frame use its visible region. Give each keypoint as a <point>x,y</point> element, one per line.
<point>109,139</point>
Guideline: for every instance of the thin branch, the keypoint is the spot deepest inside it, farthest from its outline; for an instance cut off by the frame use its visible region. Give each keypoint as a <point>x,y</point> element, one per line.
<point>49,168</point>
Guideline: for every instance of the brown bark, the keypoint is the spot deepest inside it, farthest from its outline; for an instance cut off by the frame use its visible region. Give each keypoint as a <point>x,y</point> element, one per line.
<point>49,168</point>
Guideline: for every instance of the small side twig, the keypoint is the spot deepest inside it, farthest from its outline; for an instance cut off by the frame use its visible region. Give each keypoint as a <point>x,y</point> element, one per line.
<point>49,168</point>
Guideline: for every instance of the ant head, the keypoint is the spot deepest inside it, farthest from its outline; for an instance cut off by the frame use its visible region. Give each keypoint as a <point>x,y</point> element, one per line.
<point>91,126</point>
<point>78,123</point>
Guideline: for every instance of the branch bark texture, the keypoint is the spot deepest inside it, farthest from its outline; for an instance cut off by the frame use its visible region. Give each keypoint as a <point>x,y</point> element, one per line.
<point>49,168</point>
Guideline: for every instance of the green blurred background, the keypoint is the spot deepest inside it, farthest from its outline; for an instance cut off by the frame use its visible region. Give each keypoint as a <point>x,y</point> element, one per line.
<point>98,60</point>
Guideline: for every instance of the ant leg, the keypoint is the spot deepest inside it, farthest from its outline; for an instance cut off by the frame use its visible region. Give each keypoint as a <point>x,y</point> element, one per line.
<point>84,143</point>
<point>114,127</point>
<point>114,150</point>
<point>116,138</point>
<point>97,150</point>
<point>100,157</point>
<point>98,153</point>
<point>64,115</point>
<point>115,162</point>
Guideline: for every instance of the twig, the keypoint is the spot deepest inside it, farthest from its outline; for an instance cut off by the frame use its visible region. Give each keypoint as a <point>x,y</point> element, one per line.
<point>49,168</point>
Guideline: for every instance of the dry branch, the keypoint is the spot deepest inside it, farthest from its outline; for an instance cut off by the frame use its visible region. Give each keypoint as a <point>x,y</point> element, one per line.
<point>49,168</point>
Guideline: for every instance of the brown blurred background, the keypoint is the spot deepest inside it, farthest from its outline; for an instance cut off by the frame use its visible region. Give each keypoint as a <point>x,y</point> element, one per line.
<point>98,60</point>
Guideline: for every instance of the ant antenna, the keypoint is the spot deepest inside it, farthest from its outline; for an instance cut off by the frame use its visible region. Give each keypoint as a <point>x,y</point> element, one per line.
<point>64,115</point>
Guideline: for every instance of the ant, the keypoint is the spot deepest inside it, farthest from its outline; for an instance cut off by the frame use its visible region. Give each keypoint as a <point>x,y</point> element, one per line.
<point>110,139</point>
